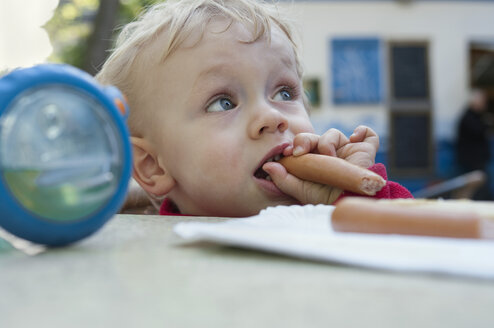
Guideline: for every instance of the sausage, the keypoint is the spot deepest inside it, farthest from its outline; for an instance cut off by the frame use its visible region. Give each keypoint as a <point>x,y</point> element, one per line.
<point>335,172</point>
<point>410,217</point>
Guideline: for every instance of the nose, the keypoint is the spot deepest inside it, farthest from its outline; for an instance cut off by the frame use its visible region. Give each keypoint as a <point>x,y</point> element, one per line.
<point>266,119</point>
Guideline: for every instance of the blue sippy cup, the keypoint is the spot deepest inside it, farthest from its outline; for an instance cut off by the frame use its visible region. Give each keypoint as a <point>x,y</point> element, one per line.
<point>65,155</point>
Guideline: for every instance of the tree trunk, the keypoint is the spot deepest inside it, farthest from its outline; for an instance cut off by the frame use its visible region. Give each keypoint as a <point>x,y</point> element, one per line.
<point>100,40</point>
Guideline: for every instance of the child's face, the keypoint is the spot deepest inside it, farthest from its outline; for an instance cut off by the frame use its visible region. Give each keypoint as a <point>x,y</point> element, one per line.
<point>223,108</point>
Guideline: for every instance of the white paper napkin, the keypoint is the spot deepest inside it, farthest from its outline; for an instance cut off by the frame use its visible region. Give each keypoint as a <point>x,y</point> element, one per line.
<point>23,245</point>
<point>305,232</point>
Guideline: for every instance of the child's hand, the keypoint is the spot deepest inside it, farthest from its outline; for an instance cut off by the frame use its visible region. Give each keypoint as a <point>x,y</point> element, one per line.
<point>362,148</point>
<point>359,149</point>
<point>305,192</point>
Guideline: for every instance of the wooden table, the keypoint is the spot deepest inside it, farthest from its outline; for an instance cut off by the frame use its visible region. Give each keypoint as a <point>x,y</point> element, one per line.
<point>136,273</point>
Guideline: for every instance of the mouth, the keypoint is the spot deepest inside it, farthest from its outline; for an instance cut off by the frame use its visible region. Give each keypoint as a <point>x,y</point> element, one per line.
<point>273,156</point>
<point>261,174</point>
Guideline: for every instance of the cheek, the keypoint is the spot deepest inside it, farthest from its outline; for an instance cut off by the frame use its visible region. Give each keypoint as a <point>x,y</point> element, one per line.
<point>202,150</point>
<point>224,159</point>
<point>301,123</point>
<point>213,160</point>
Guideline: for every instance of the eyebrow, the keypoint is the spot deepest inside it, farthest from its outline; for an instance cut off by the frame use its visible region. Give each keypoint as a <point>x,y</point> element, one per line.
<point>219,66</point>
<point>216,68</point>
<point>287,61</point>
<point>210,73</point>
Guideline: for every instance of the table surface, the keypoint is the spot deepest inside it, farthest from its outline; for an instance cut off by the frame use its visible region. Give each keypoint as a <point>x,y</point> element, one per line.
<point>135,272</point>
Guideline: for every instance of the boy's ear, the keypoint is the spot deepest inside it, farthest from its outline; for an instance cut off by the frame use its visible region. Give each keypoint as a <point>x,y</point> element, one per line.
<point>147,170</point>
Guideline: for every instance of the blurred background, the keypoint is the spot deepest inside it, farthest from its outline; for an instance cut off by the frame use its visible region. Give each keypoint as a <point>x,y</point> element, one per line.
<point>406,68</point>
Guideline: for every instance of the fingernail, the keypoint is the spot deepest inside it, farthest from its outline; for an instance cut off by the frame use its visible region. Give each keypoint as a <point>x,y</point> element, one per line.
<point>298,150</point>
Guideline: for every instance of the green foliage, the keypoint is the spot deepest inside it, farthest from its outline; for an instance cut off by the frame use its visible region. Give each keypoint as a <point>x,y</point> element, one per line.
<point>130,9</point>
<point>72,25</point>
<point>69,30</point>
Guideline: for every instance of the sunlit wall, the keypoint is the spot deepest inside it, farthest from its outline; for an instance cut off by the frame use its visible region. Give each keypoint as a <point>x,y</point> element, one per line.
<point>23,41</point>
<point>447,27</point>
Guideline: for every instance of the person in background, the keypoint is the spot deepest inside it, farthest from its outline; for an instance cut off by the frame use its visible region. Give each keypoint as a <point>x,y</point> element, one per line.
<point>473,146</point>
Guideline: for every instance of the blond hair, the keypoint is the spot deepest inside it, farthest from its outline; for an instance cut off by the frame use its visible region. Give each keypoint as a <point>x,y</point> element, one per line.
<point>178,19</point>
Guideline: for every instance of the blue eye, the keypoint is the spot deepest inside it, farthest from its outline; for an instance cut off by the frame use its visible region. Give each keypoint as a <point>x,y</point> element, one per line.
<point>283,95</point>
<point>220,105</point>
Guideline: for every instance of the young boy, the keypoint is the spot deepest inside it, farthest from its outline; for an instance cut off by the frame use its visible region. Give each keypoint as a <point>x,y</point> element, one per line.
<point>215,91</point>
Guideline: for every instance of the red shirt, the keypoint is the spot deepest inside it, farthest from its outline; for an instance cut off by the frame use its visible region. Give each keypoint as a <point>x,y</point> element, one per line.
<point>391,190</point>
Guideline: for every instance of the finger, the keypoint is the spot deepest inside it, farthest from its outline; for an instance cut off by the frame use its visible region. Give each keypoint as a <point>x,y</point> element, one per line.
<point>358,134</point>
<point>331,141</point>
<point>365,134</point>
<point>305,192</point>
<point>362,132</point>
<point>285,181</point>
<point>304,143</point>
<point>361,153</point>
